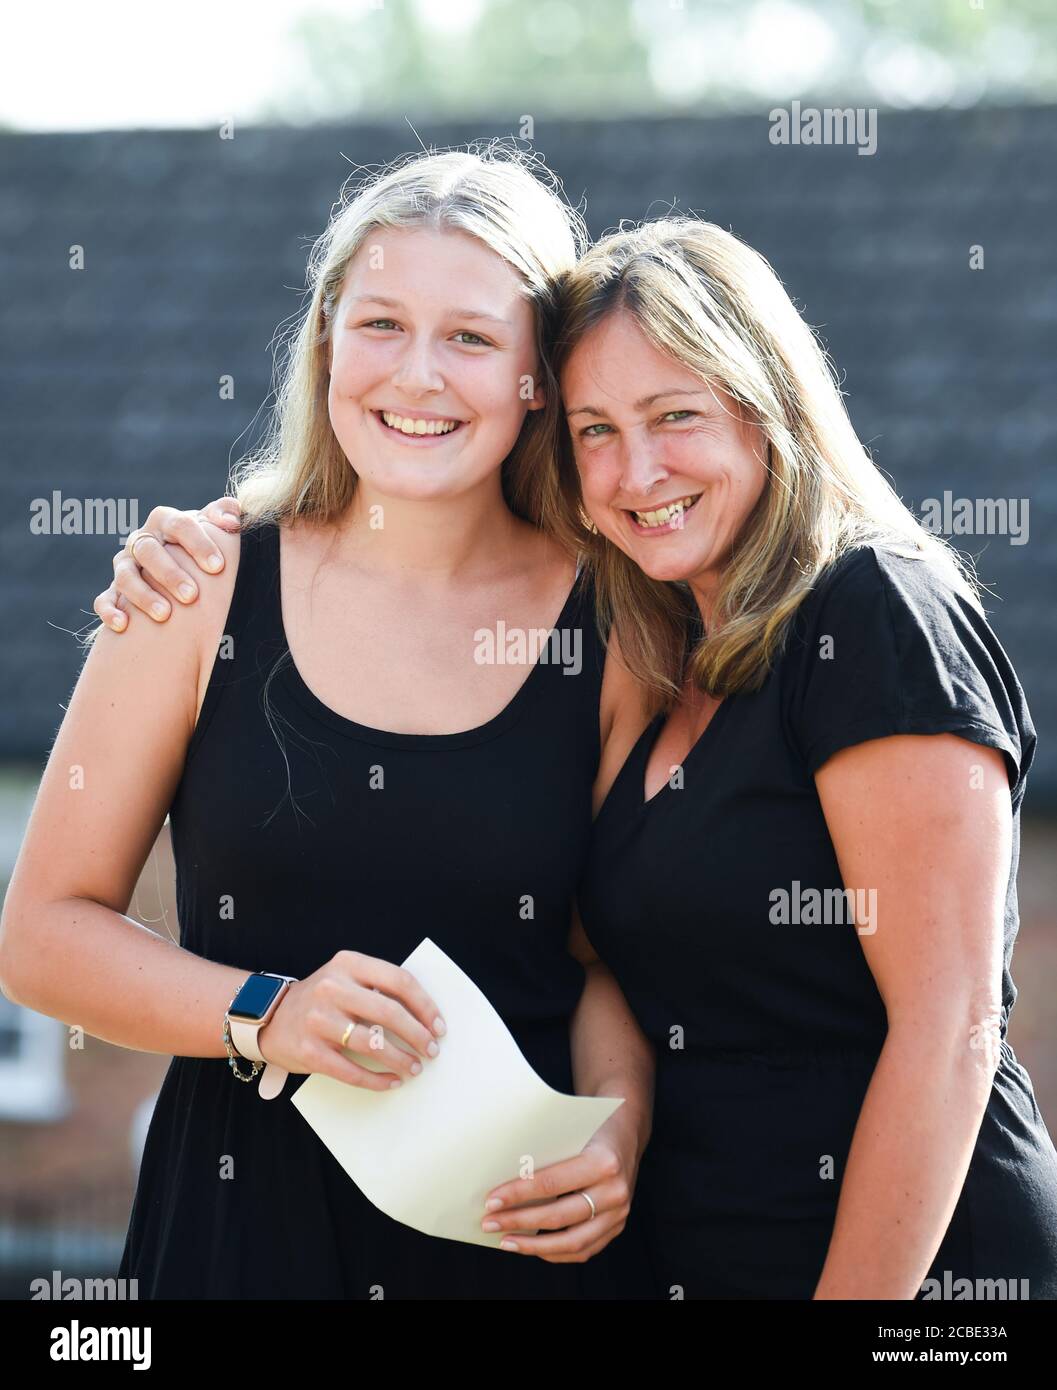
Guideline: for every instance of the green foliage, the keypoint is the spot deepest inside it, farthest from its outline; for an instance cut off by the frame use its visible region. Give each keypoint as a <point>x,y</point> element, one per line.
<point>451,58</point>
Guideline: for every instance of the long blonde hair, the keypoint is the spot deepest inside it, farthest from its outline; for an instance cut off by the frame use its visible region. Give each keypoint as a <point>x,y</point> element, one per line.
<point>496,192</point>
<point>715,305</point>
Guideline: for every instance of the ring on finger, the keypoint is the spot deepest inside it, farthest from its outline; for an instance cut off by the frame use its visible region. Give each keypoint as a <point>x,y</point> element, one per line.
<point>348,1029</point>
<point>590,1202</point>
<point>134,538</point>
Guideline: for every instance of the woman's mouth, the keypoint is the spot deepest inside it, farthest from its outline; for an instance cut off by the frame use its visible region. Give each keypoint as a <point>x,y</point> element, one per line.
<point>417,427</point>
<point>664,519</point>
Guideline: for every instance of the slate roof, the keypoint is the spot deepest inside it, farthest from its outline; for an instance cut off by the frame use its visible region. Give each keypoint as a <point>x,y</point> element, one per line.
<point>195,250</point>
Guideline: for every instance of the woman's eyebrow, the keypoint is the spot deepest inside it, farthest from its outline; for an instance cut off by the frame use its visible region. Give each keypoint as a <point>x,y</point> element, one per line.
<point>477,314</point>
<point>640,404</point>
<point>452,313</point>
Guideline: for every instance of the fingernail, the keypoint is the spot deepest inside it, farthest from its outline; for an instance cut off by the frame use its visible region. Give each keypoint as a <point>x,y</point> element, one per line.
<point>186,591</point>
<point>433,1049</point>
<point>415,1068</point>
<point>493,1204</point>
<point>490,1226</point>
<point>159,610</point>
<point>118,621</point>
<point>439,1027</point>
<point>507,1245</point>
<point>213,562</point>
<point>394,1084</point>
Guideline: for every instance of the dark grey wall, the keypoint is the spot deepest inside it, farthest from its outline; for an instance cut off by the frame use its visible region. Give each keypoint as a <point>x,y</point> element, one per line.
<point>195,251</point>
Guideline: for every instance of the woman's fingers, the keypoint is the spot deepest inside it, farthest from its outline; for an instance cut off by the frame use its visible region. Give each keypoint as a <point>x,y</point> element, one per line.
<point>369,1040</point>
<point>568,1231</point>
<point>185,529</point>
<point>225,512</point>
<point>331,1061</point>
<point>568,1210</point>
<point>154,576</point>
<point>557,1192</point>
<point>563,1249</point>
<point>109,608</point>
<point>593,1166</point>
<point>136,586</point>
<point>388,994</point>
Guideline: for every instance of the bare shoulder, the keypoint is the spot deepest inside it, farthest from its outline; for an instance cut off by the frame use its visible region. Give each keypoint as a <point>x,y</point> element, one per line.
<point>216,590</point>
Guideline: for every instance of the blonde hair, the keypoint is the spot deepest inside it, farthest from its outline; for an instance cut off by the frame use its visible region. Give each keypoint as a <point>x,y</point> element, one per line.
<point>512,203</point>
<point>495,192</point>
<point>715,305</point>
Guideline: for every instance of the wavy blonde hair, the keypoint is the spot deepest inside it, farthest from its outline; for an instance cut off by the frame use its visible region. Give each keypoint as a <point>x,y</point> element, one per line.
<point>494,191</point>
<point>715,305</point>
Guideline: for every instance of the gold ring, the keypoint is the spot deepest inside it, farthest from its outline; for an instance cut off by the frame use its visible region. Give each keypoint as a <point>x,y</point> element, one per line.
<point>134,539</point>
<point>349,1027</point>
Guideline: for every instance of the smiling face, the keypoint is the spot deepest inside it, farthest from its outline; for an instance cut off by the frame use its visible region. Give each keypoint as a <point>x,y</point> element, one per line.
<point>670,468</point>
<point>432,339</point>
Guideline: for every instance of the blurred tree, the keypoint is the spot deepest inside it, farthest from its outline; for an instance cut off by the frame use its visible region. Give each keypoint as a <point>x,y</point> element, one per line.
<point>450,58</point>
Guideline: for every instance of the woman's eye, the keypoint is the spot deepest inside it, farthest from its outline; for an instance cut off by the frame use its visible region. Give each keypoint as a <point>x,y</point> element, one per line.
<point>478,340</point>
<point>589,432</point>
<point>379,323</point>
<point>681,414</point>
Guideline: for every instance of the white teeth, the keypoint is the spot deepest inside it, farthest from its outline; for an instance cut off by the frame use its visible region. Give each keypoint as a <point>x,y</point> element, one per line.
<point>411,425</point>
<point>663,516</point>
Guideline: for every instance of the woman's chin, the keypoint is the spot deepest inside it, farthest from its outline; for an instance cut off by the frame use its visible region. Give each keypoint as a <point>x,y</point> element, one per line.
<point>668,568</point>
<point>418,488</point>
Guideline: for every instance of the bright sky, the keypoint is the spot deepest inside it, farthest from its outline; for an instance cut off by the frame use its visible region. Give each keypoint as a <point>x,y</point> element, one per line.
<point>119,64</point>
<point>68,65</point>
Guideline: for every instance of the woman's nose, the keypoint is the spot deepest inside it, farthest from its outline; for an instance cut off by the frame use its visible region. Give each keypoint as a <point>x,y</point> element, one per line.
<point>417,372</point>
<point>642,469</point>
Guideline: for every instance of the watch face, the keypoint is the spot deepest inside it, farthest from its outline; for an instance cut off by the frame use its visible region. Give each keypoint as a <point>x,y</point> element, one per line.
<point>255,995</point>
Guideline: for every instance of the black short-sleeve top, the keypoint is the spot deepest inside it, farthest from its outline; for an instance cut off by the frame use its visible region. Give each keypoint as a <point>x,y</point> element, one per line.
<point>679,893</point>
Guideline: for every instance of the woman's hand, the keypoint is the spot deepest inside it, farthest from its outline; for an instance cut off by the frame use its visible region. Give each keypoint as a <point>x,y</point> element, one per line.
<point>605,1170</point>
<point>161,575</point>
<point>304,1034</point>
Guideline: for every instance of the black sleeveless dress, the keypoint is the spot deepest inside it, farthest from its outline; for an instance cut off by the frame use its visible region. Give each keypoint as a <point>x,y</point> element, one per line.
<point>766,1020</point>
<point>287,850</point>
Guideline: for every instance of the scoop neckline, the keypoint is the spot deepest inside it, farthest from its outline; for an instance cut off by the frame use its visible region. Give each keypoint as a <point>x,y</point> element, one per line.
<point>305,696</point>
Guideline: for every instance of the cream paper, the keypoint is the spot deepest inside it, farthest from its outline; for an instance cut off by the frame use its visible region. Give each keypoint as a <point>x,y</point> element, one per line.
<point>428,1152</point>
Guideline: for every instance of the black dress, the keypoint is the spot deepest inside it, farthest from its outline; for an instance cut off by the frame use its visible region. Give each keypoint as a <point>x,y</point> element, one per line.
<point>767,1032</point>
<point>288,850</point>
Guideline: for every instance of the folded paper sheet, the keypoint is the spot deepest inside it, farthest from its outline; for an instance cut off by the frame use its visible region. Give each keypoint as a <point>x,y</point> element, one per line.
<point>429,1152</point>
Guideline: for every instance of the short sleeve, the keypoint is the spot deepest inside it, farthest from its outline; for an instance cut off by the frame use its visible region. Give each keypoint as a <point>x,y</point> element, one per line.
<point>887,644</point>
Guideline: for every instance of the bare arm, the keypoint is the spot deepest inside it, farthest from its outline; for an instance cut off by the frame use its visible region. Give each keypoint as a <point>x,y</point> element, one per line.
<point>66,949</point>
<point>611,1056</point>
<point>909,820</point>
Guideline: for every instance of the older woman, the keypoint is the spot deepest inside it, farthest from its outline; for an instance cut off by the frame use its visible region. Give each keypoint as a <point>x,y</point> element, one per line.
<point>803,872</point>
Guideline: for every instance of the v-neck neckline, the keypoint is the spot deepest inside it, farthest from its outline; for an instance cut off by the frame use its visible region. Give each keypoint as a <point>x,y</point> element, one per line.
<point>648,742</point>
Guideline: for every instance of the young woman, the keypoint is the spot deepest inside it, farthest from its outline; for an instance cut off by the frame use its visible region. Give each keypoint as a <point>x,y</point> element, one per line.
<point>345,776</point>
<point>804,861</point>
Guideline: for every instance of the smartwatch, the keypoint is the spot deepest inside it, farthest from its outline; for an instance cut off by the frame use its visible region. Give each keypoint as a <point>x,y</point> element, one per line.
<point>247,1014</point>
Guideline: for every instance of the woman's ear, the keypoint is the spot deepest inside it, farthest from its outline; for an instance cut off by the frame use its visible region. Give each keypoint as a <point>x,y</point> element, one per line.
<point>532,393</point>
